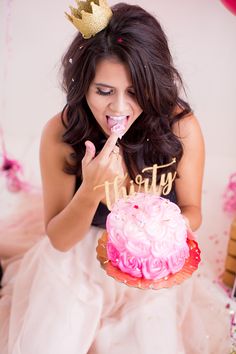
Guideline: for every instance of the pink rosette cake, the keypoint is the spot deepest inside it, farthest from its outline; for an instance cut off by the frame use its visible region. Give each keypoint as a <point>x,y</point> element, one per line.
<point>147,237</point>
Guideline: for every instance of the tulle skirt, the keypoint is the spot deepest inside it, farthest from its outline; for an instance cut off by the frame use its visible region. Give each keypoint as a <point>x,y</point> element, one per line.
<point>63,302</point>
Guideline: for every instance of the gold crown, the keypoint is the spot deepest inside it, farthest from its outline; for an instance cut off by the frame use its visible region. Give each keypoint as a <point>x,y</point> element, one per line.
<point>91,16</point>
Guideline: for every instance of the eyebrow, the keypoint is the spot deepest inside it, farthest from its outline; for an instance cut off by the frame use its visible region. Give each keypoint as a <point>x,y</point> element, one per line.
<point>105,85</point>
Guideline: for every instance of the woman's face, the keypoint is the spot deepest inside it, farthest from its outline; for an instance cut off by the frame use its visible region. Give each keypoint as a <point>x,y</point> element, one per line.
<point>111,97</point>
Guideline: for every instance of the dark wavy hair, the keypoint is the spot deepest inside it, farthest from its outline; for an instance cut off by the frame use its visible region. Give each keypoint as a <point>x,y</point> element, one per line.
<point>144,48</point>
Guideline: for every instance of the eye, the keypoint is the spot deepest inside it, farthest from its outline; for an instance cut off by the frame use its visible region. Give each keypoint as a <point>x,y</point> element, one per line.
<point>132,93</point>
<point>103,93</point>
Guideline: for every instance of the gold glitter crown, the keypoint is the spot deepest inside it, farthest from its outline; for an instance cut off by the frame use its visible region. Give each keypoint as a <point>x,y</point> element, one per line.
<point>91,16</point>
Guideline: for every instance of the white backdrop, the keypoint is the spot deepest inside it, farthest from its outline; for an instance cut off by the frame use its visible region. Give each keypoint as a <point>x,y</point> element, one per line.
<point>34,35</point>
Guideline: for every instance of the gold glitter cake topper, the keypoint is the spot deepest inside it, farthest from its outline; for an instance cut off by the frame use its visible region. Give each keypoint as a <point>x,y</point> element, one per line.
<point>114,191</point>
<point>91,16</point>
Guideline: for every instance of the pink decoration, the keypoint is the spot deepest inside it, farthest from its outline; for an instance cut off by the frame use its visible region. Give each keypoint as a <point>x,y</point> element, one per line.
<point>230,195</point>
<point>12,170</point>
<point>230,5</point>
<point>147,236</point>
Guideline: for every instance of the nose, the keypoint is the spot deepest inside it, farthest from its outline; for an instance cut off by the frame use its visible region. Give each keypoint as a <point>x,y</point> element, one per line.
<point>119,104</point>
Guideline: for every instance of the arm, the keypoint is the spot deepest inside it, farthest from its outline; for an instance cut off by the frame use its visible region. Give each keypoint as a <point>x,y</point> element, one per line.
<point>190,170</point>
<point>68,215</point>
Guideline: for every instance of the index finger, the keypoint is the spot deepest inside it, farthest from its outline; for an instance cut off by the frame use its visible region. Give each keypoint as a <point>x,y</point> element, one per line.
<point>109,145</point>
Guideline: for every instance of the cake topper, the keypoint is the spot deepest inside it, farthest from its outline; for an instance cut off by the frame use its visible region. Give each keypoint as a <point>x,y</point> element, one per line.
<point>163,187</point>
<point>91,16</point>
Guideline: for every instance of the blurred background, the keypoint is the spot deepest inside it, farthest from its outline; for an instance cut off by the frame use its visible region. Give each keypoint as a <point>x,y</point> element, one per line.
<point>35,34</point>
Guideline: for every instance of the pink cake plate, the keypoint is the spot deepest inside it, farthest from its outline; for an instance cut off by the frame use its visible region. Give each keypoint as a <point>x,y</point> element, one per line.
<point>191,264</point>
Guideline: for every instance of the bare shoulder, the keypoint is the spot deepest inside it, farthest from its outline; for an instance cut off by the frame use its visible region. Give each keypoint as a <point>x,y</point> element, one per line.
<point>187,127</point>
<point>54,128</point>
<point>51,137</point>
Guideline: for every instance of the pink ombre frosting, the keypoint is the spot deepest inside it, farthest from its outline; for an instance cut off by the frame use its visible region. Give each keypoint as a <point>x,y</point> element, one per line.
<point>147,236</point>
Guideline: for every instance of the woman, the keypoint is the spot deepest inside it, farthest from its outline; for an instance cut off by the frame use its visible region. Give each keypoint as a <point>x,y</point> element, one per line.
<point>63,302</point>
<point>123,71</point>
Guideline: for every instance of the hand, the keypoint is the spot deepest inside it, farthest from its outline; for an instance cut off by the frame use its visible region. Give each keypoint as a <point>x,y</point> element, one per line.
<point>191,235</point>
<point>104,167</point>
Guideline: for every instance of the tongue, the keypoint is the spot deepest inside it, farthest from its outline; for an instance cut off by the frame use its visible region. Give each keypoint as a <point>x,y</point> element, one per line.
<point>117,126</point>
<point>112,122</point>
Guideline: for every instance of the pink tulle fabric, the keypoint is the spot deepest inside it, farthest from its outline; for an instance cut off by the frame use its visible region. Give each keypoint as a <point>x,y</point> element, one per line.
<point>63,302</point>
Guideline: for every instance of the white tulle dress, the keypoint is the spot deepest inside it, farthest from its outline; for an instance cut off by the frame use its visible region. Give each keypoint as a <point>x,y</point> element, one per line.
<point>58,303</point>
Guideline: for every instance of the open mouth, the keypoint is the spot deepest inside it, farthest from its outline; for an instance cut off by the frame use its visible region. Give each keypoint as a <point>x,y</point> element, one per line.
<point>112,121</point>
<point>117,124</point>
